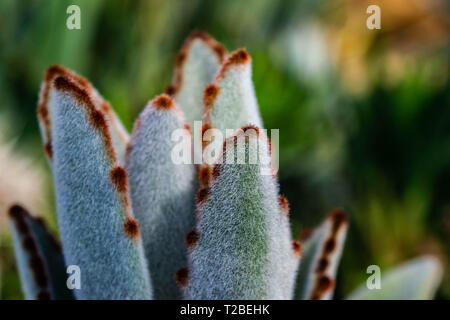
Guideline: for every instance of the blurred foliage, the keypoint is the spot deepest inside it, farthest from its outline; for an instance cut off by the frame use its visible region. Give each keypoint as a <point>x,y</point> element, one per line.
<point>363,114</point>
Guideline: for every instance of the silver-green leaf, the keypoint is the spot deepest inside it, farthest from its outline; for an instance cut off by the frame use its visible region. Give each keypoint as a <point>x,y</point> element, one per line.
<point>162,190</point>
<point>239,249</point>
<point>195,66</point>
<point>98,231</point>
<point>416,279</point>
<point>39,257</point>
<point>321,253</point>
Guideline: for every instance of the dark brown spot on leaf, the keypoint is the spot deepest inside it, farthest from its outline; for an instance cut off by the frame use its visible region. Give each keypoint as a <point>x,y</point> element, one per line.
<point>182,277</point>
<point>98,119</point>
<point>329,246</point>
<point>204,174</point>
<point>202,195</point>
<point>43,111</point>
<point>322,265</point>
<point>29,244</point>
<point>338,218</point>
<point>170,90</point>
<point>191,238</point>
<point>220,51</point>
<point>209,95</point>
<point>64,83</point>
<point>163,102</point>
<point>16,212</point>
<point>119,178</point>
<point>238,57</point>
<point>37,265</point>
<point>131,227</point>
<point>53,71</point>
<point>180,58</point>
<point>216,170</point>
<point>325,283</point>
<point>284,204</point>
<point>48,149</point>
<point>205,128</point>
<point>297,247</point>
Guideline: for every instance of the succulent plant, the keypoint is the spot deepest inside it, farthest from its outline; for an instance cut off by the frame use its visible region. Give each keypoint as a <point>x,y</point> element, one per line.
<point>140,226</point>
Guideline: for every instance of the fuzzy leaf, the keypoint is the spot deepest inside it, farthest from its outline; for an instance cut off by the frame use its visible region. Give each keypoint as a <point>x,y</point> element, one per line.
<point>240,249</point>
<point>321,253</point>
<point>118,132</point>
<point>39,257</point>
<point>416,279</point>
<point>288,268</point>
<point>162,191</point>
<point>98,231</point>
<point>195,66</point>
<point>230,101</point>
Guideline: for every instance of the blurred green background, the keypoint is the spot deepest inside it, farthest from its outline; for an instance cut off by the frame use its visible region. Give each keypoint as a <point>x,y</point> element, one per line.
<point>364,115</point>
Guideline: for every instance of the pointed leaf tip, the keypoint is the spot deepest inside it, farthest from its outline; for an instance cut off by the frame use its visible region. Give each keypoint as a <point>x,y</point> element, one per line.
<point>50,74</point>
<point>163,101</point>
<point>215,46</point>
<point>97,118</point>
<point>84,93</point>
<point>183,55</point>
<point>236,58</point>
<point>64,83</point>
<point>210,41</point>
<point>339,217</point>
<point>322,248</point>
<point>195,66</point>
<point>229,102</point>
